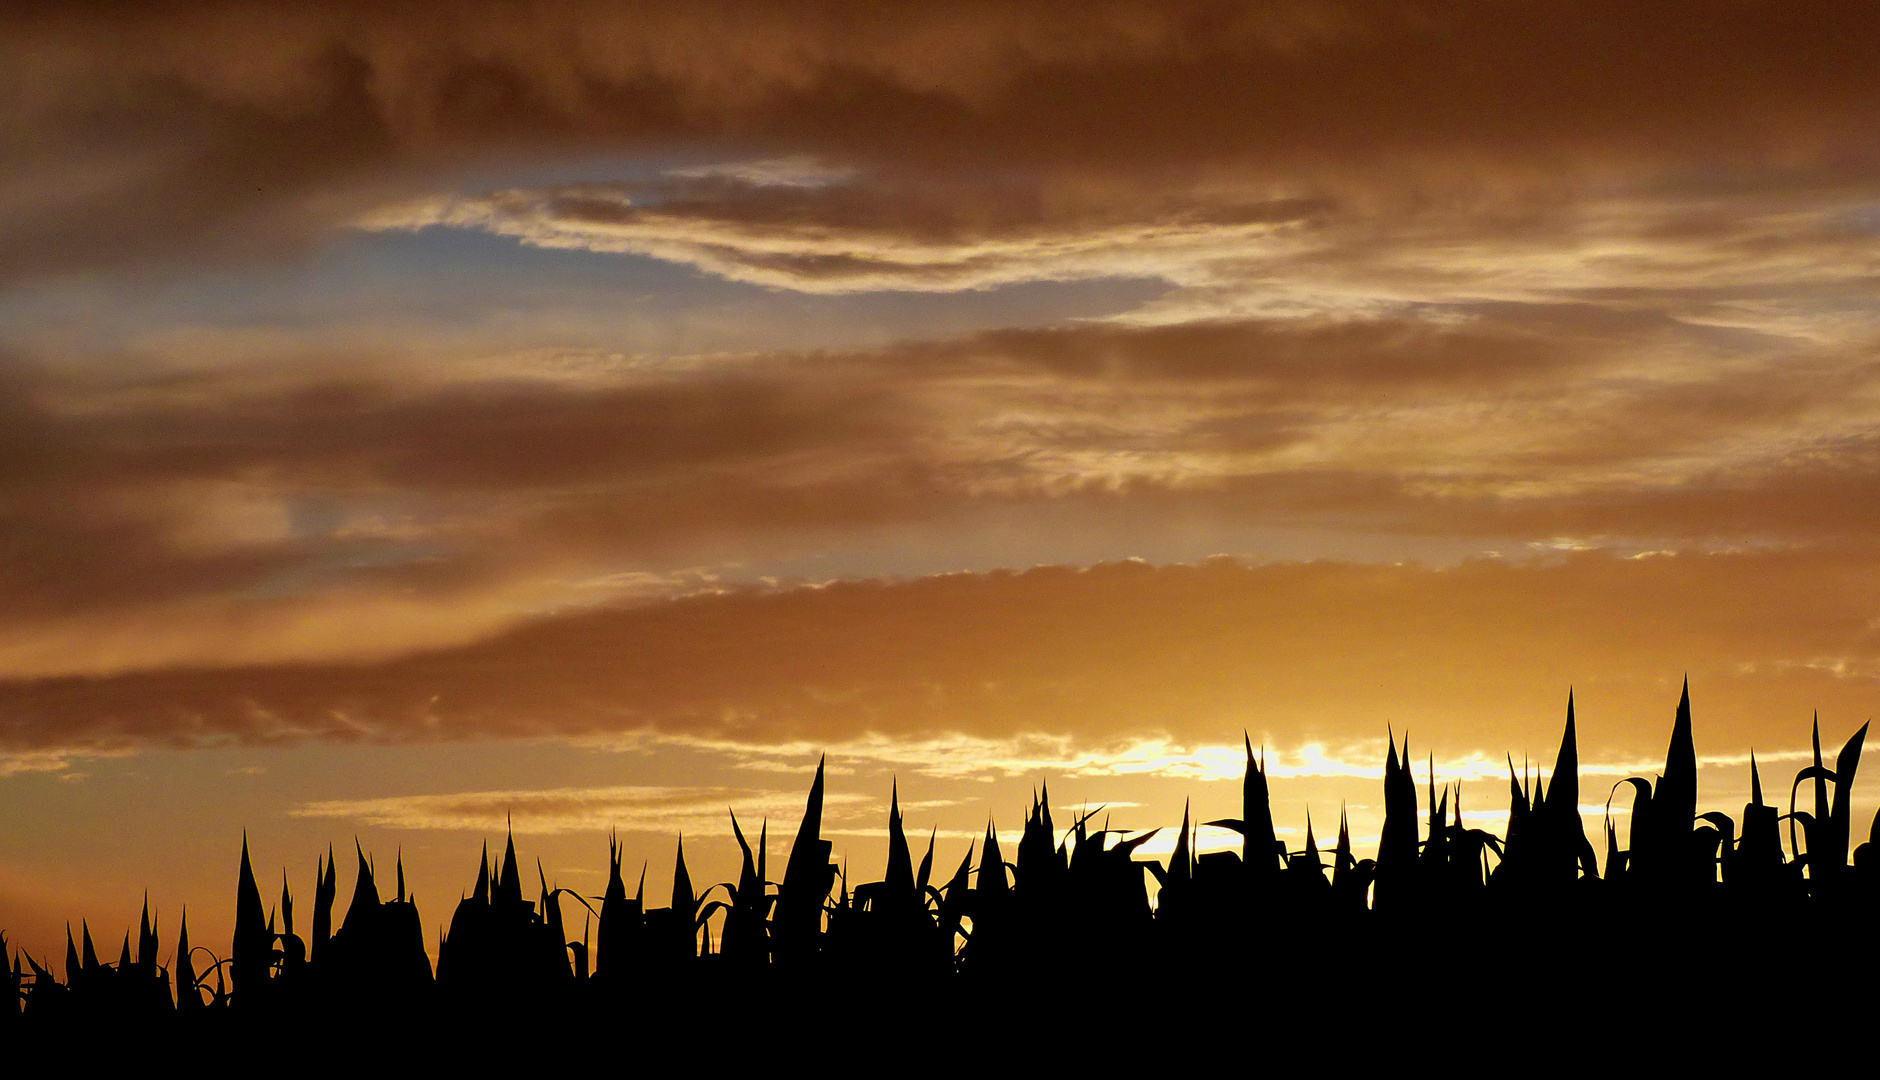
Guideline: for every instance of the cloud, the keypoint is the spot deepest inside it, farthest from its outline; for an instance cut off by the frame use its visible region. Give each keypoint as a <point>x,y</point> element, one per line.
<point>1759,255</point>
<point>241,130</point>
<point>662,810</point>
<point>38,761</point>
<point>1296,654</point>
<point>1466,271</point>
<point>854,237</point>
<point>157,516</point>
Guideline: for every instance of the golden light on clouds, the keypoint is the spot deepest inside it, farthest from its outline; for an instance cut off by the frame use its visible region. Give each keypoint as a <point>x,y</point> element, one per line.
<point>666,811</point>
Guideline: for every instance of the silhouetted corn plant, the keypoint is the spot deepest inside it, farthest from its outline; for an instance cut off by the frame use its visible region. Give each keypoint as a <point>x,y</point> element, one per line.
<point>1826,831</point>
<point>1075,906</point>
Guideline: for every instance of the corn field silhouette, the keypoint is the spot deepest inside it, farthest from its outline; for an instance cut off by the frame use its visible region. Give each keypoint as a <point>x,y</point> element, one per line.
<point>1727,935</point>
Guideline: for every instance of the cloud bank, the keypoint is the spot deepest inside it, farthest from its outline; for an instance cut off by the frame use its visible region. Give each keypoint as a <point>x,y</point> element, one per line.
<point>169,516</point>
<point>1482,653</point>
<point>157,131</point>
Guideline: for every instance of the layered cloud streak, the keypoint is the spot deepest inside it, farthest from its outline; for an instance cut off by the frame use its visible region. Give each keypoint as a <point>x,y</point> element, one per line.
<point>262,514</point>
<point>1478,655</point>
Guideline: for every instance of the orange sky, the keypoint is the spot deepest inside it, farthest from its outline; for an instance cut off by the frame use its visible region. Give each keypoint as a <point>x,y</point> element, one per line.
<point>591,410</point>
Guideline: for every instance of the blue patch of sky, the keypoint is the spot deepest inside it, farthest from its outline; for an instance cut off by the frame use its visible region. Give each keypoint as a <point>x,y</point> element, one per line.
<point>458,282</point>
<point>333,558</point>
<point>1863,220</point>
<point>457,285</point>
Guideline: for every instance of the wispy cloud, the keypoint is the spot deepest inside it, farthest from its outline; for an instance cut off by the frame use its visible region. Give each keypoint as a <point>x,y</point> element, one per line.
<point>967,757</point>
<point>663,810</point>
<point>62,763</point>
<point>1752,257</point>
<point>811,248</point>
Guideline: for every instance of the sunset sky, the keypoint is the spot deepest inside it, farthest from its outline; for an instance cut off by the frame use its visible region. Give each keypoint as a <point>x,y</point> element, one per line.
<point>413,415</point>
